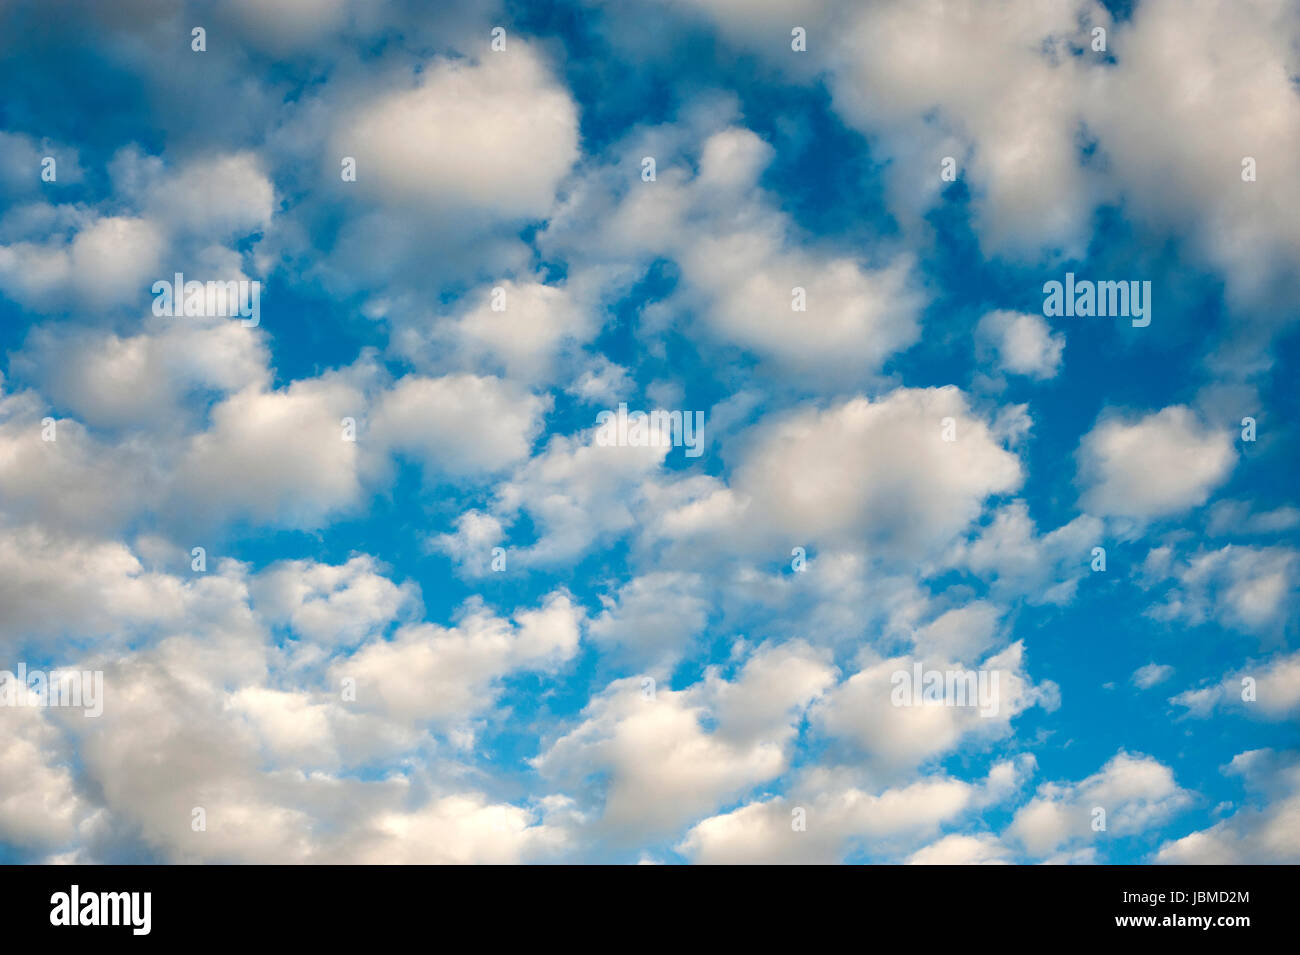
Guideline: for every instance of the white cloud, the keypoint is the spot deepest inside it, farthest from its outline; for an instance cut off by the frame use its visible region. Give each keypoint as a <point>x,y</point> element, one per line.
<point>963,634</point>
<point>142,380</point>
<point>859,473</point>
<point>458,424</point>
<point>471,544</point>
<point>652,617</point>
<point>527,330</point>
<point>110,261</point>
<point>602,382</point>
<point>1145,677</point>
<point>1154,466</point>
<point>664,766</point>
<point>195,715</point>
<point>276,457</point>
<point>492,136</point>
<point>993,85</point>
<point>1041,569</point>
<point>1137,793</point>
<point>957,849</point>
<point>1275,684</point>
<point>428,673</point>
<point>75,483</point>
<point>40,805</point>
<point>328,604</point>
<point>876,470</point>
<point>576,492</point>
<point>177,219</point>
<point>740,257</point>
<point>459,158</point>
<point>1023,344</point>
<point>839,815</point>
<point>462,829</point>
<point>861,710</point>
<point>1233,518</point>
<point>53,587</point>
<point>1045,129</point>
<point>1179,154</point>
<point>1268,834</point>
<point>21,174</point>
<point>219,198</point>
<point>1241,587</point>
<point>177,735</point>
<point>812,476</point>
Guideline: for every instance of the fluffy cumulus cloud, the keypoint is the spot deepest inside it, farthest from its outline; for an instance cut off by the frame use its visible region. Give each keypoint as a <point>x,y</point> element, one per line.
<point>436,673</point>
<point>265,456</point>
<point>1154,465</point>
<point>327,604</point>
<point>663,765</point>
<point>1041,568</point>
<point>56,472</point>
<point>1128,795</point>
<point>961,850</point>
<point>1261,833</point>
<point>39,803</point>
<point>1248,55</point>
<point>742,264</point>
<point>835,816</point>
<point>831,473</point>
<point>459,830</point>
<point>1026,96</point>
<point>1005,86</point>
<point>1023,344</point>
<point>1267,689</point>
<point>1241,587</point>
<point>141,380</point>
<point>654,616</point>
<point>883,709</point>
<point>166,218</point>
<point>458,424</point>
<point>104,262</point>
<point>902,475</point>
<point>205,697</point>
<point>964,633</point>
<point>57,586</point>
<point>575,493</point>
<point>493,136</point>
<point>886,574</point>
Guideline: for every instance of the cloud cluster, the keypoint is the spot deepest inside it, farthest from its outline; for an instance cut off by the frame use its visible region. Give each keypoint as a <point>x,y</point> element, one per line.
<point>366,585</point>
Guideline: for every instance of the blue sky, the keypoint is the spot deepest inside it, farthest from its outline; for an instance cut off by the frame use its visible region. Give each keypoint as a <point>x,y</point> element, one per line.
<point>653,675</point>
